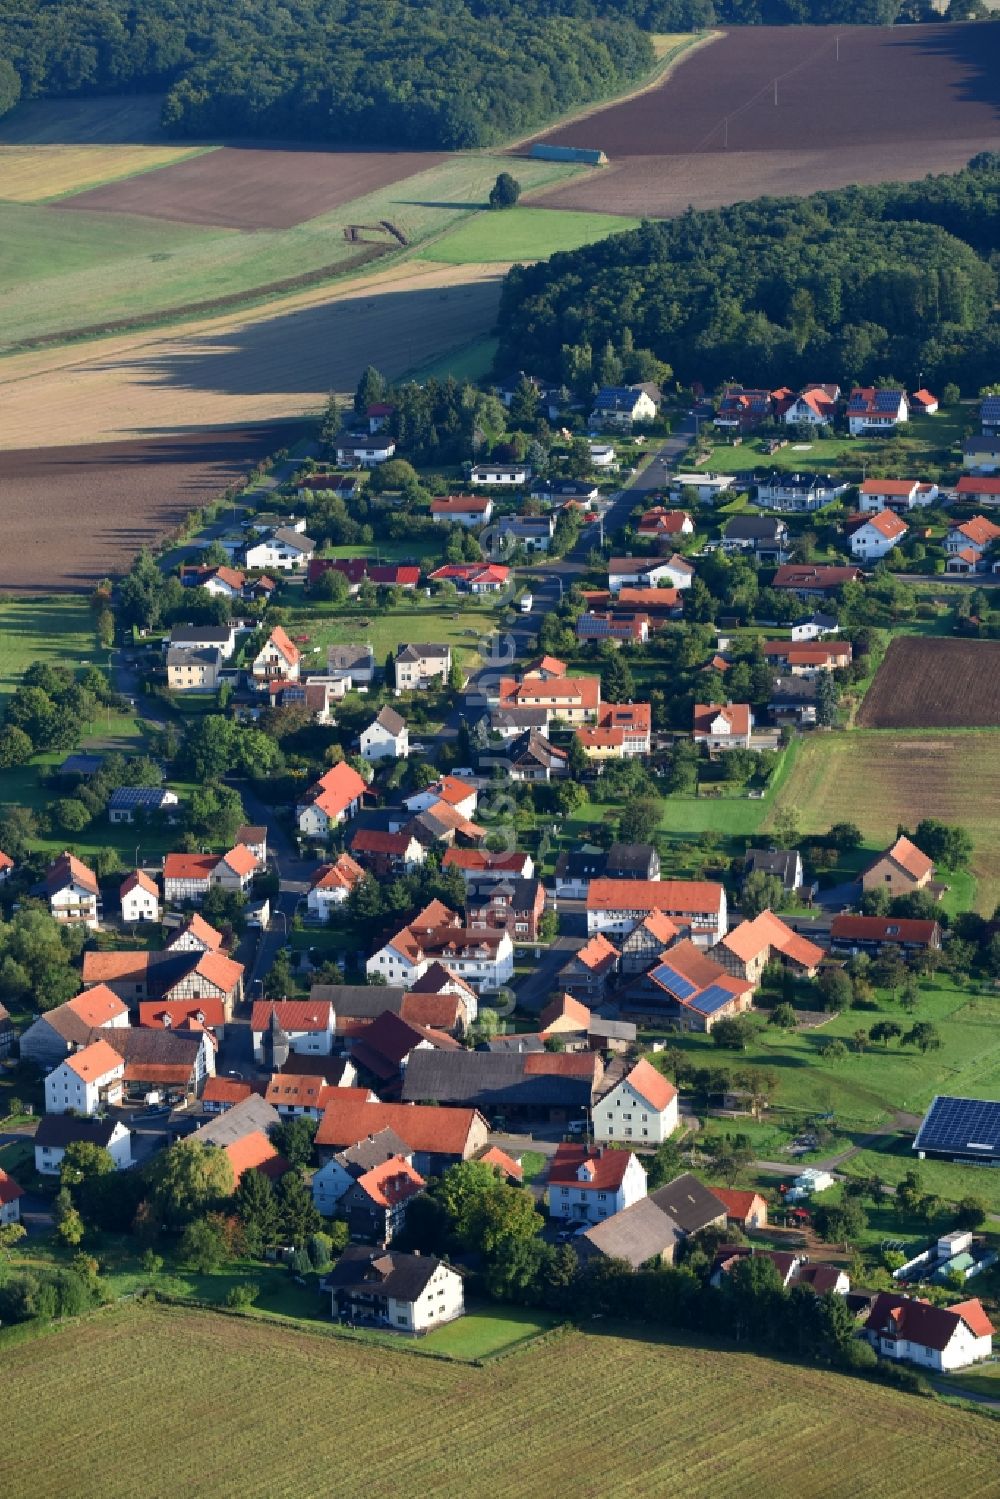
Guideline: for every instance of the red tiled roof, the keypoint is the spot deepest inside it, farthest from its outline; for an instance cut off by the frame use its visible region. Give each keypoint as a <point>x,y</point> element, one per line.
<point>738,1204</point>
<point>153,1012</point>
<point>441,1012</point>
<point>969,485</point>
<point>565,1007</point>
<point>909,857</point>
<point>97,1006</point>
<point>138,880</point>
<point>6,862</point>
<point>597,953</point>
<point>902,487</point>
<point>562,1064</point>
<point>671,896</point>
<point>189,866</point>
<point>392,1182</point>
<point>225,973</point>
<point>94,1061</point>
<point>459,504</point>
<point>342,874</point>
<point>178,1073</point>
<point>225,1090</point>
<point>804,575</point>
<point>9,1189</point>
<point>656,1089</point>
<point>503,1162</point>
<point>294,1015</point>
<point>979,530</point>
<point>240,860</point>
<point>476,859</point>
<point>748,940</point>
<point>200,929</point>
<point>888,524</point>
<point>882,928</point>
<point>378,841</point>
<point>338,788</point>
<point>736,715</point>
<point>69,870</point>
<point>437,1131</point>
<point>605,1169</point>
<point>295,1090</point>
<point>251,1152</point>
<point>919,1322</point>
<point>283,645</point>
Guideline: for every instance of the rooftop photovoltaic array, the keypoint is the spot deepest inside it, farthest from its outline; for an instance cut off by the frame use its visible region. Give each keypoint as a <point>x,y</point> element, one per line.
<point>711,999</point>
<point>967,1126</point>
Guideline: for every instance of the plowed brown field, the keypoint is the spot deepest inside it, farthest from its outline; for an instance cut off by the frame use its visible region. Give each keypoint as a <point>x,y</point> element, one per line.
<point>75,514</point>
<point>249,188</point>
<point>935,684</point>
<point>896,103</point>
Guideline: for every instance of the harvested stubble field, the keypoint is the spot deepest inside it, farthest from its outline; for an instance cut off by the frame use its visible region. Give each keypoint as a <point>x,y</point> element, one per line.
<point>881,780</point>
<point>31,174</point>
<point>681,1417</point>
<point>73,515</point>
<point>898,104</point>
<point>254,365</point>
<point>935,684</point>
<point>253,188</point>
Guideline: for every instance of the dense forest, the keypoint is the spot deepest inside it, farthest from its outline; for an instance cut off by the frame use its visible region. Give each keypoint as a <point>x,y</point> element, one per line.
<point>865,281</point>
<point>441,73</point>
<point>435,73</point>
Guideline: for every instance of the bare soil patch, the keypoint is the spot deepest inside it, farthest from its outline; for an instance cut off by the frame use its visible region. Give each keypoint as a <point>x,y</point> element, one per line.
<point>251,188</point>
<point>75,514</point>
<point>898,103</point>
<point>246,367</point>
<point>935,684</point>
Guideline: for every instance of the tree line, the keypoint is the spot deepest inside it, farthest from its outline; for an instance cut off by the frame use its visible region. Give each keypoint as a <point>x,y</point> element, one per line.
<point>854,283</point>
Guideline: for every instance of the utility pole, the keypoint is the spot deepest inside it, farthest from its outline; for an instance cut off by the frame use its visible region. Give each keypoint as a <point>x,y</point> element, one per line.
<point>838,48</point>
<point>776,93</point>
<point>725,141</point>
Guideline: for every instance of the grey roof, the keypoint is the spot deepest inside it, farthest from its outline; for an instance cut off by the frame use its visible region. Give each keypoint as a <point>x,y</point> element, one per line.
<point>793,690</point>
<point>65,1022</point>
<point>628,859</point>
<point>294,539</point>
<point>638,1233</point>
<point>578,864</point>
<point>522,1043</point>
<point>63,1129</point>
<point>373,1151</point>
<point>524,893</point>
<point>484,1079</point>
<point>423,652</point>
<point>780,861</point>
<point>359,1001</point>
<point>612,1030</point>
<point>187,655</point>
<point>532,745</point>
<point>343,657</point>
<point>982,444</point>
<point>519,718</point>
<point>143,1046</point>
<point>200,635</point>
<point>363,1271</point>
<point>689,1203</point>
<point>754,528</point>
<point>81,765</point>
<point>244,1118</point>
<point>822,621</point>
<point>578,489</point>
<point>391,721</point>
<point>138,796</point>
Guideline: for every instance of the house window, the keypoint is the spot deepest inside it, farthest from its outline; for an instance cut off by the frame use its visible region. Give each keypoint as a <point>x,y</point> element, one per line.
<point>401,1321</point>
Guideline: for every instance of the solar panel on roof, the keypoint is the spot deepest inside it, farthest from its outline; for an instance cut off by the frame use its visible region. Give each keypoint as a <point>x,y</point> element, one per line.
<point>674,982</point>
<point>886,400</point>
<point>961,1124</point>
<point>710,999</point>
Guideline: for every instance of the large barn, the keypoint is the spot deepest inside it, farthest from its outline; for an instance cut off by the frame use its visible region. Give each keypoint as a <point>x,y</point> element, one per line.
<point>964,1130</point>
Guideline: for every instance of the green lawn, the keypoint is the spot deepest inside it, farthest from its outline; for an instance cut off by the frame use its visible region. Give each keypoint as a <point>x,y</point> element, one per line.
<point>523,233</point>
<point>59,630</point>
<point>893,1158</point>
<point>929,442</point>
<point>419,621</point>
<point>470,362</point>
<point>984,1381</point>
<point>62,271</point>
<point>487,1331</point>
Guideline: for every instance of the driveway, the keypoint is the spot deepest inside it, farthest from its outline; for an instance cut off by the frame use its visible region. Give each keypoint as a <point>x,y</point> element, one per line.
<point>536,990</point>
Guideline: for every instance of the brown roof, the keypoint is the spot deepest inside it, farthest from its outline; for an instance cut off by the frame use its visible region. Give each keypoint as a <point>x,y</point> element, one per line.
<point>736,715</point>
<point>69,870</point>
<point>225,1090</point>
<point>917,1321</point>
<point>563,1064</point>
<point>603,1169</point>
<point>437,1131</point>
<point>805,575</point>
<point>883,929</point>
<point>437,1011</point>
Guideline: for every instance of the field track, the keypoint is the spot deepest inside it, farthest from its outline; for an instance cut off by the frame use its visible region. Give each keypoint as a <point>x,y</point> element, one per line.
<point>250,188</point>
<point>935,684</point>
<point>899,103</point>
<point>73,515</point>
<point>661,1419</point>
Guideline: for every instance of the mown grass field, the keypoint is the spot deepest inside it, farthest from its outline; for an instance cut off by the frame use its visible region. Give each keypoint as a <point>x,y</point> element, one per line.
<point>63,271</point>
<point>422,621</point>
<point>928,443</point>
<point>490,1330</point>
<point>523,234</point>
<point>585,1414</point>
<point>882,779</point>
<point>59,630</point>
<point>470,362</point>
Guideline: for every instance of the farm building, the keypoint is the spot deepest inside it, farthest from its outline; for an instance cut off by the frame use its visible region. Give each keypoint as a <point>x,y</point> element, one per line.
<point>961,1130</point>
<point>591,157</point>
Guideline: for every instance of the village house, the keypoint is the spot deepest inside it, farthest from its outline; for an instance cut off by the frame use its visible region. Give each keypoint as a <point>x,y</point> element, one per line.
<point>722,726</point>
<point>453,790</point>
<point>331,885</point>
<point>473,577</point>
<point>587,973</point>
<point>222,1093</point>
<point>693,990</point>
<point>170,1064</point>
<point>342,1169</point>
<point>57,1033</point>
<point>808,581</point>
<point>640,1235</point>
<point>816,626</point>
<point>629,629</point>
<point>221,638</point>
<point>792,700</point>
<point>971,544</point>
<point>435,1137</point>
<point>747,1210</point>
<point>73,893</point>
<point>88,1082</point>
<point>659,522</point>
<point>511,905</point>
<point>707,488</point>
<point>297,1095</point>
<point>529,756</point>
<point>747,950</point>
<point>785,864</point>
<point>740,410</point>
<point>581,492</point>
<point>875,411</point>
<point>147,801</point>
<point>766,536</point>
<point>418,667</point>
<point>897,495</point>
<point>814,406</point>
<point>6,866</point>
<point>976,491</point>
<point>194,669</point>
<point>355,450</point>
<point>281,1026</point>
<point>56,1132</point>
<point>284,551</point>
<point>386,737</point>
<point>221,582</point>
<point>641,1108</point>
<point>7,1033</point>
<point>588,1184</point>
<point>533,532</point>
<point>981,455</point>
<point>508,1085</point>
<point>375,1203</point>
<point>808,658</point>
<point>462,510</point>
<point>513,475</point>
<point>485,959</point>
<point>186,1015</point>
<point>140,898</point>
<point>189,877</point>
<point>802,493</point>
<point>387,853</point>
<point>399,1292</point>
<point>646,941</point>
<point>872,934</point>
<point>615,906</point>
<point>624,406</point>
<point>878,536</point>
<point>481,864</point>
<point>572,699</point>
<point>277,659</point>
<point>196,935</point>
<point>933,1337</point>
<point>10,1199</point>
<point>358,570</point>
<point>900,870</point>
<point>622,730</point>
<point>335,797</point>
<point>648,572</point>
